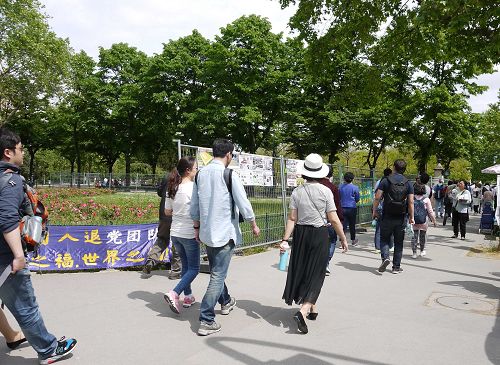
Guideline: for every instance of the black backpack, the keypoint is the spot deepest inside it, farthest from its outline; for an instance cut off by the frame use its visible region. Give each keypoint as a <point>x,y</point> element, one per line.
<point>228,179</point>
<point>395,197</point>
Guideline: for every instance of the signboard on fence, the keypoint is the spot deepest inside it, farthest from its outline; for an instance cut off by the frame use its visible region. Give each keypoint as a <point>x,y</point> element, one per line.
<point>96,247</point>
<point>252,169</point>
<point>365,192</point>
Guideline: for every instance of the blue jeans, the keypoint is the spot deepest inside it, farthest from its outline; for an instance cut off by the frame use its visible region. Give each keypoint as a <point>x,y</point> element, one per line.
<point>218,260</point>
<point>439,207</point>
<point>19,297</point>
<point>189,252</point>
<point>394,226</point>
<point>332,237</point>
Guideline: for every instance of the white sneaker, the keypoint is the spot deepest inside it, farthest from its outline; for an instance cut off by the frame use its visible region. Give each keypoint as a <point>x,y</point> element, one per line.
<point>391,249</point>
<point>423,253</point>
<point>414,256</point>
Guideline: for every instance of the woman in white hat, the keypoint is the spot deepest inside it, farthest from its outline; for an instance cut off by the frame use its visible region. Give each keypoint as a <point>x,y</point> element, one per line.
<point>311,207</point>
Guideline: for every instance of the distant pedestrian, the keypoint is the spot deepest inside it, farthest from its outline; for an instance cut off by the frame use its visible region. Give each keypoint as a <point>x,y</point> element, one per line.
<point>311,207</point>
<point>423,179</point>
<point>422,212</point>
<point>214,210</point>
<point>349,197</point>
<point>332,235</point>
<point>439,190</point>
<point>476,197</point>
<point>461,210</point>
<point>163,239</point>
<point>178,205</point>
<point>448,201</point>
<point>378,218</point>
<point>398,208</point>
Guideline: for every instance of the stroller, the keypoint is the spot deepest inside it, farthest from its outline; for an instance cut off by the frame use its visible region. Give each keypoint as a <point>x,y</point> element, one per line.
<point>487,219</point>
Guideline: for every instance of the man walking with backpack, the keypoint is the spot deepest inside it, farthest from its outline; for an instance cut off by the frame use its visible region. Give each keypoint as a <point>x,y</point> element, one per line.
<point>16,291</point>
<point>214,210</point>
<point>397,192</point>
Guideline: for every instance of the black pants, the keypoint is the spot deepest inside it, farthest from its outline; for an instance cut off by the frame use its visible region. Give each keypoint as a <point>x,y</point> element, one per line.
<point>459,221</point>
<point>392,226</point>
<point>350,219</point>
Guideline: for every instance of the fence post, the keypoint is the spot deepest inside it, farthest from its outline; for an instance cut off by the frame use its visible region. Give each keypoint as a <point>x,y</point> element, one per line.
<point>266,225</point>
<point>283,188</point>
<point>136,180</point>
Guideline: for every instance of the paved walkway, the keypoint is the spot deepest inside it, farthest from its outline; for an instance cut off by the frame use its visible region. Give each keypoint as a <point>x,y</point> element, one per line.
<point>364,317</point>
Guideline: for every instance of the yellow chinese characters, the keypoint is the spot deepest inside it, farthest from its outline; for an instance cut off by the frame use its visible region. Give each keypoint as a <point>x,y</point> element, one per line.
<point>37,261</point>
<point>65,261</point>
<point>67,236</point>
<point>93,237</point>
<point>90,259</point>
<point>111,257</point>
<point>132,257</point>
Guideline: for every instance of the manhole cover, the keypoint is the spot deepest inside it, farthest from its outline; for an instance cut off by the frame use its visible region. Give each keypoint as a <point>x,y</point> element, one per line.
<point>464,303</point>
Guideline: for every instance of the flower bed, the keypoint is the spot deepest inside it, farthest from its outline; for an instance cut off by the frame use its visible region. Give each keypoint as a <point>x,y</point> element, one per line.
<point>99,206</point>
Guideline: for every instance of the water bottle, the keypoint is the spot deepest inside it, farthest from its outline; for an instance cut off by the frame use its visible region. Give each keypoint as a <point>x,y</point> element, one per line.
<point>283,260</point>
<point>374,223</point>
<point>33,228</point>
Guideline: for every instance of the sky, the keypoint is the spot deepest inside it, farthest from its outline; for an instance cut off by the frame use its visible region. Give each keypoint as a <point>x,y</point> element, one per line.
<point>147,24</point>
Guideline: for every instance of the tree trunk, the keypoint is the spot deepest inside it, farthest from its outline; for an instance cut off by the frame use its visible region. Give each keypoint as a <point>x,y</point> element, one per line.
<point>72,172</point>
<point>128,163</point>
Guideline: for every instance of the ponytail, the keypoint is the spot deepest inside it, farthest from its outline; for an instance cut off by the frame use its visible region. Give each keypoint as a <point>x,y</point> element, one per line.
<point>184,165</point>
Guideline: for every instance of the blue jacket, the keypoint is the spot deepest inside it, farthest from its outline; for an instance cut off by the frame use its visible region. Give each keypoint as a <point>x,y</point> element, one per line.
<point>349,195</point>
<point>11,200</point>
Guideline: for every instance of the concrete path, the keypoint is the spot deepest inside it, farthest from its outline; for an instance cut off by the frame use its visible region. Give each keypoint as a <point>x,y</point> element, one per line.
<point>443,309</point>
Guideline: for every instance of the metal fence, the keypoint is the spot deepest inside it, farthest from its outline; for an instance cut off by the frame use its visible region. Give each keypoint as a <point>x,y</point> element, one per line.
<point>270,203</point>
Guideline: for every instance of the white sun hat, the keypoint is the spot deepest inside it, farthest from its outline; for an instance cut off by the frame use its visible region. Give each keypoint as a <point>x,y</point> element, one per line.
<point>313,166</point>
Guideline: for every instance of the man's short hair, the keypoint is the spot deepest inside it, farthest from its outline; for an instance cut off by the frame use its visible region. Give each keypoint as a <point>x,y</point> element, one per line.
<point>8,140</point>
<point>221,147</point>
<point>349,177</point>
<point>387,171</point>
<point>424,178</point>
<point>400,166</point>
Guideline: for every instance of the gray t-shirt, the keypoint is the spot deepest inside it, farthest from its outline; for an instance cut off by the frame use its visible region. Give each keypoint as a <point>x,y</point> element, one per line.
<point>307,212</point>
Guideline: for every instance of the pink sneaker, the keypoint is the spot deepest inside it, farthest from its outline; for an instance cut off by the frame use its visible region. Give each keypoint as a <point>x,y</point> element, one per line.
<point>172,299</point>
<point>188,301</point>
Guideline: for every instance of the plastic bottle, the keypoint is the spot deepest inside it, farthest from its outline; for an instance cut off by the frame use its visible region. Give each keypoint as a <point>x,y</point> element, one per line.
<point>34,228</point>
<point>283,260</point>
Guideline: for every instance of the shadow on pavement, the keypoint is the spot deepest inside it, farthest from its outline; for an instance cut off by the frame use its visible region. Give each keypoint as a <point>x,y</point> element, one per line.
<point>298,355</point>
<point>358,267</point>
<point>256,310</point>
<point>491,346</point>
<point>156,303</point>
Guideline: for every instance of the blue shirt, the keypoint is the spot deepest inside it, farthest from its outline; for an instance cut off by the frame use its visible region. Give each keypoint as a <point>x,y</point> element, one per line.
<point>211,205</point>
<point>349,195</point>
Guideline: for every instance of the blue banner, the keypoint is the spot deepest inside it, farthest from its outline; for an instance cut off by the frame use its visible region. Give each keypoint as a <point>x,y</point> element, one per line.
<point>95,247</point>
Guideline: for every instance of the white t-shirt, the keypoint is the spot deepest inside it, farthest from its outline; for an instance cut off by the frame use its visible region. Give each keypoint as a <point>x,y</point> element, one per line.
<point>312,208</point>
<point>182,224</point>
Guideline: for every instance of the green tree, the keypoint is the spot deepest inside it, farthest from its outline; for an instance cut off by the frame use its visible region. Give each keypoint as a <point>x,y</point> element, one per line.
<point>33,61</point>
<point>247,82</point>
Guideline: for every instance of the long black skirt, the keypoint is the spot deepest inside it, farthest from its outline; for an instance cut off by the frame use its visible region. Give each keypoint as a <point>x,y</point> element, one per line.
<point>307,267</point>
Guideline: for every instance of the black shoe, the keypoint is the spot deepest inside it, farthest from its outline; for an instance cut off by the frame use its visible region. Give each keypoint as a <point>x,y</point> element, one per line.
<point>312,316</point>
<point>397,270</point>
<point>301,323</point>
<point>15,344</point>
<point>174,275</point>
<point>454,236</point>
<point>148,267</point>
<point>384,265</point>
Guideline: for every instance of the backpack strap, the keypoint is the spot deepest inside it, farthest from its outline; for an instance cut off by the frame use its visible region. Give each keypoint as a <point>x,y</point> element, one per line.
<point>228,179</point>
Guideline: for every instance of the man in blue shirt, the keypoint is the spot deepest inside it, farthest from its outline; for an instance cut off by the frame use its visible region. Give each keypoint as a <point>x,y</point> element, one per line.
<point>398,204</point>
<point>17,291</point>
<point>349,197</point>
<point>217,227</point>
